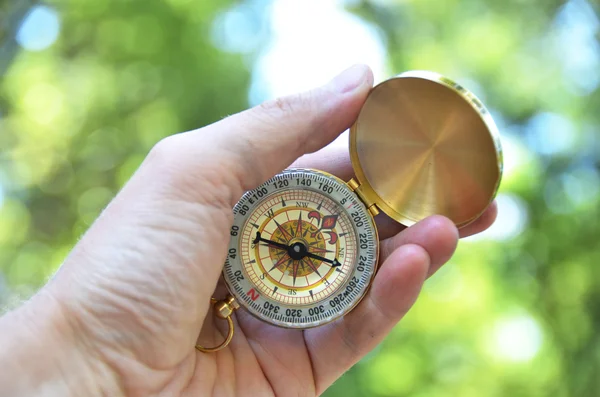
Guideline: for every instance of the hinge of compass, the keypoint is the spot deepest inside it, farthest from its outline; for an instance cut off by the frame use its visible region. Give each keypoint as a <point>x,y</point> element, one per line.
<point>356,188</point>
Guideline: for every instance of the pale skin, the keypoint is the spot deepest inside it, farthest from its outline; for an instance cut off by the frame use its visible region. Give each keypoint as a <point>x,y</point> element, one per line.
<point>122,315</point>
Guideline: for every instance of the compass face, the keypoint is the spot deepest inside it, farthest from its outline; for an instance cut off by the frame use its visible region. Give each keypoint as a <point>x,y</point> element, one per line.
<point>303,250</point>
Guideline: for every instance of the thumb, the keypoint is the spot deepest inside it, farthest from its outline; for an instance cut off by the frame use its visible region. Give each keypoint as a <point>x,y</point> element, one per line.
<point>253,145</point>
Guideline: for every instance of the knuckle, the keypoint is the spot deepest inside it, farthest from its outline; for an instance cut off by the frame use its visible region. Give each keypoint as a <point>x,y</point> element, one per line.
<point>386,315</point>
<point>351,334</point>
<point>297,116</point>
<point>291,107</point>
<point>165,150</point>
<point>279,106</point>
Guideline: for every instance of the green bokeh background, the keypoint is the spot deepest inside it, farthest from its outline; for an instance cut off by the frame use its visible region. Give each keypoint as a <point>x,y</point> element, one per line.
<point>515,313</point>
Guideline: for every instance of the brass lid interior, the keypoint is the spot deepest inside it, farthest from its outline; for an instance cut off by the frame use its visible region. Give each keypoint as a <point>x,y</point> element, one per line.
<point>423,145</point>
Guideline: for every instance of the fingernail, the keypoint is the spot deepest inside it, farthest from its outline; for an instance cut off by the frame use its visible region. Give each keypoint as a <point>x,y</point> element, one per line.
<point>350,79</point>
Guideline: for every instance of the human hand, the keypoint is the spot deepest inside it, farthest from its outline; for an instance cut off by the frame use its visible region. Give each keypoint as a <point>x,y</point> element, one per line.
<point>123,314</point>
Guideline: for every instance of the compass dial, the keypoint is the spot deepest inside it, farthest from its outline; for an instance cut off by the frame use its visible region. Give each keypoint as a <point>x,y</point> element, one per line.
<point>303,249</point>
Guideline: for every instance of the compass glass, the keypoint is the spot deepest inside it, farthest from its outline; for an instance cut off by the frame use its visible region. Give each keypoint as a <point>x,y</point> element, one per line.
<point>303,249</point>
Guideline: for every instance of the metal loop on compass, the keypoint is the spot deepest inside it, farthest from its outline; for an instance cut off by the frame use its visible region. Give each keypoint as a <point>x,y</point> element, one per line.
<point>223,310</point>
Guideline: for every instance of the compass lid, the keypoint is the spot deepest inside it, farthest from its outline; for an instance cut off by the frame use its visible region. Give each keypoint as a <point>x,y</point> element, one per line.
<point>424,145</point>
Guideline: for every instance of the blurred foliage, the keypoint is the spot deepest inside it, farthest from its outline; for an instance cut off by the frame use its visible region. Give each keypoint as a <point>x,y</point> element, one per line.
<point>515,313</point>
<point>80,116</point>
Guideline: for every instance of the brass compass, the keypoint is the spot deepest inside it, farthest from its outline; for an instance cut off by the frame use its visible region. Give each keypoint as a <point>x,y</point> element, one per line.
<point>304,245</point>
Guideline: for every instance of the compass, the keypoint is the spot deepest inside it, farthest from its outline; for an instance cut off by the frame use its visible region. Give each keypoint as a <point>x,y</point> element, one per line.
<point>304,245</point>
<point>303,249</point>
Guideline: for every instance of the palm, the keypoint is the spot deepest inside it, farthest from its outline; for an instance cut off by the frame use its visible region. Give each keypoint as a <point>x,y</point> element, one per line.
<point>262,360</point>
<point>265,360</point>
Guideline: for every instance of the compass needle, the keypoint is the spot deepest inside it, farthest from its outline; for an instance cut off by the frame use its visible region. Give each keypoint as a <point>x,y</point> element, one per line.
<point>269,242</point>
<point>320,249</point>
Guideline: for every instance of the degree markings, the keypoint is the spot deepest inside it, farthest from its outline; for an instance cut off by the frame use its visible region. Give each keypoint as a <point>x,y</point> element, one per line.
<point>343,229</point>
